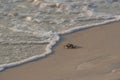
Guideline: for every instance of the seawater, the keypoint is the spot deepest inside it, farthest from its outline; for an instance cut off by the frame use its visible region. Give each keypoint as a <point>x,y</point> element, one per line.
<point>29,28</point>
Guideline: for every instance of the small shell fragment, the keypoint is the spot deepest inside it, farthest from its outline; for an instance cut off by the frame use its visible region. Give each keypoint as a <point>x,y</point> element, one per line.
<point>37,3</point>
<point>28,18</point>
<point>58,5</point>
<point>53,5</point>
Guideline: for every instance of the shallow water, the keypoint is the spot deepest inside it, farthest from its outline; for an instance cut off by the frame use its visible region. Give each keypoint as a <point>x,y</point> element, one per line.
<point>27,26</point>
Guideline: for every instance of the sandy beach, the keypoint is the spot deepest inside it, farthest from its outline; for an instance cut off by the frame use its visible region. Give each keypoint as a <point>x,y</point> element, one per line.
<point>96,58</point>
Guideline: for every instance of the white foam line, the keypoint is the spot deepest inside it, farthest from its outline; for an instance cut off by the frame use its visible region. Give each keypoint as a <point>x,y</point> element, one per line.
<point>117,18</point>
<point>48,51</point>
<point>53,42</point>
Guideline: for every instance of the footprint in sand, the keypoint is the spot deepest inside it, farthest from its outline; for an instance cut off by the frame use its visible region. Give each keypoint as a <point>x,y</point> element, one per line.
<point>84,66</point>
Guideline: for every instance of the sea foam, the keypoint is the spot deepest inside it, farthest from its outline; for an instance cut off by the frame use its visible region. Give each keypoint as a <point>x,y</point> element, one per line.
<point>53,41</point>
<point>71,16</point>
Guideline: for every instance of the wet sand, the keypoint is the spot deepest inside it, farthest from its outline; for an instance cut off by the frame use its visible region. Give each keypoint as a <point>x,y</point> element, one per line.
<point>96,58</point>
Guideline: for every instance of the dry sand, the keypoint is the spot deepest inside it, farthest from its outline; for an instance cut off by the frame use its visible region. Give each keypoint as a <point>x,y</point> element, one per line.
<point>98,58</point>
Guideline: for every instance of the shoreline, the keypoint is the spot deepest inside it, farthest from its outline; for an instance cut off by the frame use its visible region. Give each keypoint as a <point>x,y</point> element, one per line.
<point>52,43</point>
<point>63,65</point>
